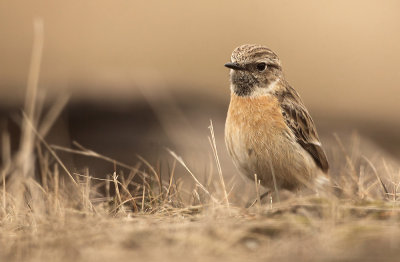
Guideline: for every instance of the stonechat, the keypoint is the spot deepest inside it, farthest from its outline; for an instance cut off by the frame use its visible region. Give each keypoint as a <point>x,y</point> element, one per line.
<point>268,130</point>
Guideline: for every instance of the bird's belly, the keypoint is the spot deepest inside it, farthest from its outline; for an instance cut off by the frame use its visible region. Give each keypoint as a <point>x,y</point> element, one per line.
<point>259,142</point>
<point>262,156</point>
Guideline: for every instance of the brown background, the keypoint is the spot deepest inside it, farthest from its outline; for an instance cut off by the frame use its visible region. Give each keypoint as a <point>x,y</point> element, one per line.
<point>148,74</point>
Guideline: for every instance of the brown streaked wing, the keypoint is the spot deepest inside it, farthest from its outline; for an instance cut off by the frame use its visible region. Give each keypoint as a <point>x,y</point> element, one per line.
<point>302,125</point>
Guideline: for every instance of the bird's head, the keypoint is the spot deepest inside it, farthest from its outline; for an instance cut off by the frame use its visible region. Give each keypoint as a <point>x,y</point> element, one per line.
<point>255,70</point>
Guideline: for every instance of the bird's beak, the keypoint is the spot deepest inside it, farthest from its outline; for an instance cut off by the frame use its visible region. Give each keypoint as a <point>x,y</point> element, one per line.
<point>234,66</point>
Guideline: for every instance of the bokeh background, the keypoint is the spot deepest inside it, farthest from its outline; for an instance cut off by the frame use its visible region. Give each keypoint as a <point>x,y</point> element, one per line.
<point>148,75</point>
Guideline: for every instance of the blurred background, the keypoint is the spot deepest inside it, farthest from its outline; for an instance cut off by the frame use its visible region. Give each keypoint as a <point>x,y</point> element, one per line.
<point>148,75</point>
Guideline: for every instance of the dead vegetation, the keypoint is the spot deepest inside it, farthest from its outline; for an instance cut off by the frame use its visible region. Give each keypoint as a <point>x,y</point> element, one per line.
<point>147,216</point>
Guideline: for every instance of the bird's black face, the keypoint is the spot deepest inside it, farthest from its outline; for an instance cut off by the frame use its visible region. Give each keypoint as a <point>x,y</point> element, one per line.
<point>246,78</point>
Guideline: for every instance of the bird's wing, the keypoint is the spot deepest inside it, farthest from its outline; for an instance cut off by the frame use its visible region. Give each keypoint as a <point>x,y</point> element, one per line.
<point>300,122</point>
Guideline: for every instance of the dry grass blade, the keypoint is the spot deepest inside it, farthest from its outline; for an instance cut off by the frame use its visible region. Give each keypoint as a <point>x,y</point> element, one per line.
<point>274,180</point>
<point>90,153</point>
<point>171,178</point>
<point>353,171</point>
<point>180,160</point>
<point>25,156</point>
<point>28,195</point>
<point>6,156</point>
<point>52,115</point>
<point>152,170</point>
<point>143,193</point>
<point>41,139</point>
<point>34,68</point>
<point>386,192</point>
<point>214,148</point>
<point>115,179</point>
<point>257,185</point>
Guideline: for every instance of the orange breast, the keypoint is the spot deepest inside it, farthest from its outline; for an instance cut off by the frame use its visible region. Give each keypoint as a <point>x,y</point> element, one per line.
<point>252,115</point>
<point>255,133</point>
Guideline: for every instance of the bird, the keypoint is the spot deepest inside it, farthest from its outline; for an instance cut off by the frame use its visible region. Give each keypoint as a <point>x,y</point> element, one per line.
<point>268,130</point>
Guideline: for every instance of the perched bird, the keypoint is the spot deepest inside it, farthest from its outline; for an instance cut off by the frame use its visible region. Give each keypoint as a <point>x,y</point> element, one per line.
<point>268,130</point>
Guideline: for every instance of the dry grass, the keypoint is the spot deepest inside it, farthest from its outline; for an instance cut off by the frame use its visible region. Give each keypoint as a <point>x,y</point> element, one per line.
<point>143,216</point>
<point>148,216</point>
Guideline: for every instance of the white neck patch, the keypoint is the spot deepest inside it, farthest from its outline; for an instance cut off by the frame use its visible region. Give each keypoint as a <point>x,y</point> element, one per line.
<point>265,91</point>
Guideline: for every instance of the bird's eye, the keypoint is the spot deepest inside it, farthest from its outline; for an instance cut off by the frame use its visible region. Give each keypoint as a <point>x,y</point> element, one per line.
<point>261,66</point>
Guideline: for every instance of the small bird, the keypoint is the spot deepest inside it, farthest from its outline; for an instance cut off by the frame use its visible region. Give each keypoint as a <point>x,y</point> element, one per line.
<point>268,130</point>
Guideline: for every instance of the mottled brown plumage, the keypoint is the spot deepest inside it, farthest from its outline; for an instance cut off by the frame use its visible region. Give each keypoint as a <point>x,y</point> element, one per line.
<point>268,129</point>
<point>300,122</point>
